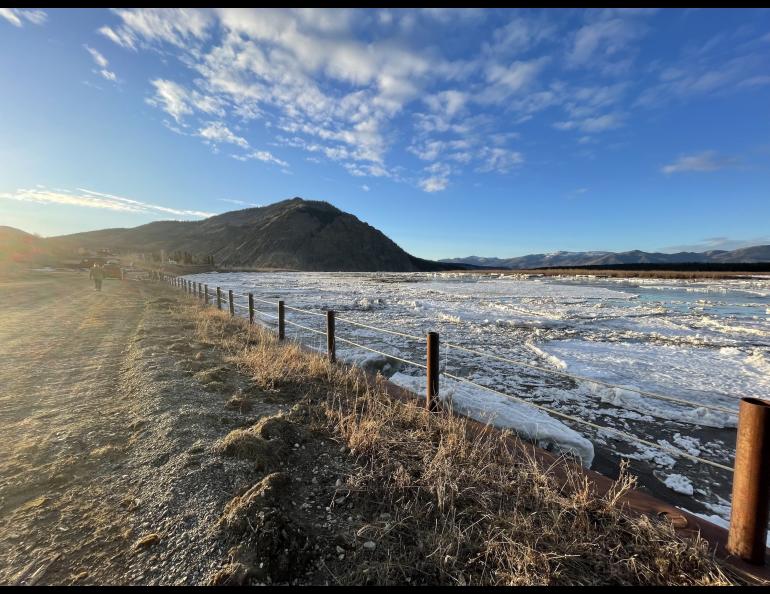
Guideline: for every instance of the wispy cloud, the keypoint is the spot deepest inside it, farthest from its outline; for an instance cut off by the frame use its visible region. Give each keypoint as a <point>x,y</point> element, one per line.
<point>91,199</point>
<point>591,125</point>
<point>718,243</point>
<point>17,16</point>
<point>705,161</point>
<point>102,63</point>
<point>264,156</point>
<point>178,102</point>
<point>217,132</point>
<point>438,178</point>
<point>239,202</point>
<point>176,26</point>
<point>358,88</point>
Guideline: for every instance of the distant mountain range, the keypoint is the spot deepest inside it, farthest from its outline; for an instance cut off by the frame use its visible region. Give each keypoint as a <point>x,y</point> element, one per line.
<point>294,234</point>
<point>759,253</point>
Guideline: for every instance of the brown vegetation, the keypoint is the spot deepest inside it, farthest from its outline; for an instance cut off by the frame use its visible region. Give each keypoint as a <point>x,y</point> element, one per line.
<point>439,506</point>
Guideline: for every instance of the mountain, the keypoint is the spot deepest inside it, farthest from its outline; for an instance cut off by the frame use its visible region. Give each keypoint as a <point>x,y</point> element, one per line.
<point>759,253</point>
<point>19,247</point>
<point>293,234</point>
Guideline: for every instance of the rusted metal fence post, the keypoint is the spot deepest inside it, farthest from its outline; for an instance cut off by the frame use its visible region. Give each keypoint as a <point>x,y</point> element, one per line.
<point>281,322</point>
<point>219,298</point>
<point>206,294</point>
<point>251,309</point>
<point>431,402</point>
<point>331,349</point>
<point>751,482</point>
<point>230,298</point>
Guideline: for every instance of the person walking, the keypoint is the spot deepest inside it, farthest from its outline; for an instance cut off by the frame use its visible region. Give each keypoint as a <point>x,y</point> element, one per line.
<point>97,274</point>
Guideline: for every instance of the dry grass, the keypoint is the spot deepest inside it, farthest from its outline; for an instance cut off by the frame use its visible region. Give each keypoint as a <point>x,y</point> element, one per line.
<point>458,509</point>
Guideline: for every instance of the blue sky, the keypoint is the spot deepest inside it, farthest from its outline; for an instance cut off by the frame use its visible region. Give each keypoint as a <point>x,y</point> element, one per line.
<point>485,132</point>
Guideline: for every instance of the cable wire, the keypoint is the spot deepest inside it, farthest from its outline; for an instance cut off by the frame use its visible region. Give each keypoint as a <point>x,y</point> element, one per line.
<point>628,436</point>
<point>395,333</point>
<point>360,346</point>
<point>592,380</point>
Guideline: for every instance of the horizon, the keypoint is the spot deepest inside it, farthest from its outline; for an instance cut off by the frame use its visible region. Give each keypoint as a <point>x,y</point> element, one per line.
<point>529,131</point>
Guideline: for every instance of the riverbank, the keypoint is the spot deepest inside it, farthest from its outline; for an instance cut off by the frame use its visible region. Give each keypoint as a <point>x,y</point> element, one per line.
<point>155,442</point>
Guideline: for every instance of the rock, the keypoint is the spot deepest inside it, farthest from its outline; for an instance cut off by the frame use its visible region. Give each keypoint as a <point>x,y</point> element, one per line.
<point>147,541</point>
<point>370,545</point>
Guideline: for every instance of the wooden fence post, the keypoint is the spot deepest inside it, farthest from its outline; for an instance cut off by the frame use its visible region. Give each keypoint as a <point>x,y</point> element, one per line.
<point>281,322</point>
<point>331,349</point>
<point>751,482</point>
<point>251,309</point>
<point>232,305</point>
<point>432,391</point>
<point>219,298</point>
<point>206,294</point>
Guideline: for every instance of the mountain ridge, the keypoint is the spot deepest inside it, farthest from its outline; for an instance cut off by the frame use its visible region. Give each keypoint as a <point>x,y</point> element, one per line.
<point>752,254</point>
<point>293,234</point>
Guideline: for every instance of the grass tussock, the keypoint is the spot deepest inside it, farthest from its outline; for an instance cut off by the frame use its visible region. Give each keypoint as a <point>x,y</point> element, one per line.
<point>452,508</point>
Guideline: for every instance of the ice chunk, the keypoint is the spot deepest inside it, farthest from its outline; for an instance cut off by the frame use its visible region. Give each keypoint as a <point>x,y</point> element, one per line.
<point>679,483</point>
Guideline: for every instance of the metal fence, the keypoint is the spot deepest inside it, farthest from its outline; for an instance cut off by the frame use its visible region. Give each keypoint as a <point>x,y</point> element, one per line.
<point>750,473</point>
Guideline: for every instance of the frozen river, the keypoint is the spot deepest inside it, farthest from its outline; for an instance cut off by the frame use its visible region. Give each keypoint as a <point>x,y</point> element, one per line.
<point>706,343</point>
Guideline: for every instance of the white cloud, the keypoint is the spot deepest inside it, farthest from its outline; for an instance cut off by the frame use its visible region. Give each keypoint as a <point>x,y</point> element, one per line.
<point>177,26</point>
<point>705,161</point>
<point>177,101</point>
<point>595,43</point>
<point>239,202</point>
<point>217,132</point>
<point>504,81</point>
<point>438,178</point>
<point>519,35</point>
<point>90,199</point>
<point>172,98</point>
<point>16,16</point>
<point>718,243</point>
<point>102,63</point>
<point>365,188</point>
<point>264,156</point>
<point>99,58</point>
<point>122,38</point>
<point>448,102</point>
<point>349,86</point>
<point>500,160</point>
<point>592,124</point>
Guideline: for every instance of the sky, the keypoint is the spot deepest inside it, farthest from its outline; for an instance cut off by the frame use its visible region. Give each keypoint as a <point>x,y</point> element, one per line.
<point>455,132</point>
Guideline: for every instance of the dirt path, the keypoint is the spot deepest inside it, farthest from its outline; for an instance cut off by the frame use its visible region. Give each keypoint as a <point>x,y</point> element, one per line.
<point>62,411</point>
<point>107,437</point>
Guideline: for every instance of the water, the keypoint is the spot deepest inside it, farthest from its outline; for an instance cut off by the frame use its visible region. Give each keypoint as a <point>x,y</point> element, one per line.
<point>707,342</point>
